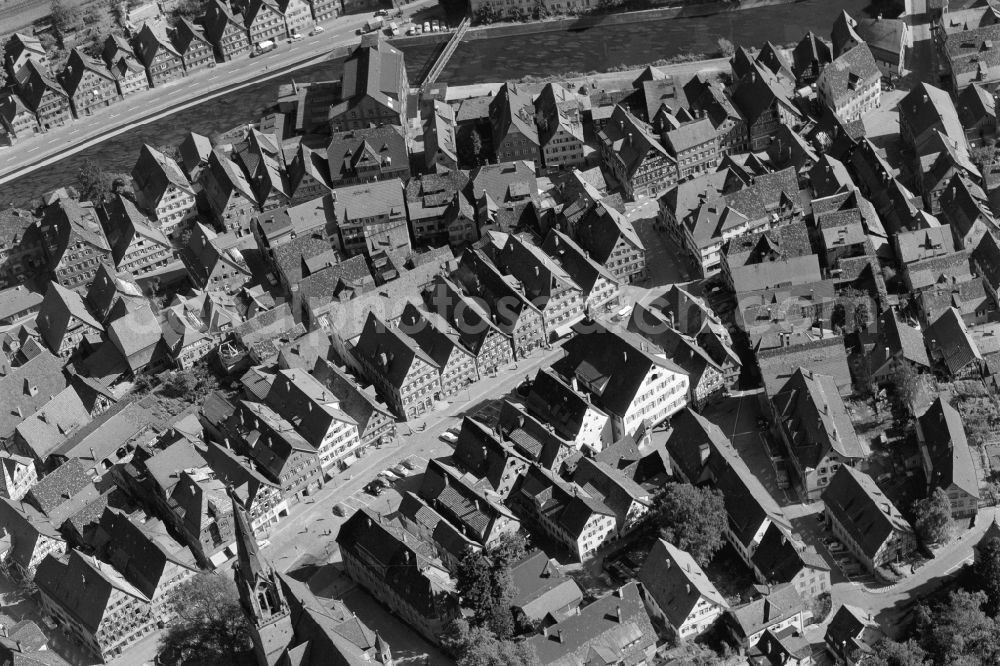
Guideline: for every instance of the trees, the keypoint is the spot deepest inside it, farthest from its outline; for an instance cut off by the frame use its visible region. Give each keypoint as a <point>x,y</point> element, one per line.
<point>987,571</point>
<point>890,653</point>
<point>692,519</point>
<point>65,17</point>
<point>96,184</point>
<point>478,646</point>
<point>958,631</point>
<point>193,383</point>
<point>726,48</point>
<point>485,588</point>
<point>933,517</point>
<point>210,625</point>
<point>908,382</point>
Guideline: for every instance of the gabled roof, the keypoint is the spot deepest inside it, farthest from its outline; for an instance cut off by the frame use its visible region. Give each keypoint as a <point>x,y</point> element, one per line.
<point>611,364</point>
<point>374,71</point>
<point>780,559</point>
<point>810,49</point>
<point>677,582</point>
<point>541,588</point>
<point>631,140</point>
<point>391,350</point>
<point>602,229</point>
<point>155,172</point>
<point>948,337</point>
<point>556,402</point>
<point>927,108</point>
<point>60,309</point>
<point>944,438</point>
<point>27,387</point>
<point>77,65</point>
<point>512,110</point>
<point>865,513</point>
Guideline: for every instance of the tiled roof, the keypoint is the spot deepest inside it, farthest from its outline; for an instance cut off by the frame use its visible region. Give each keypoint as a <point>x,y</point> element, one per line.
<point>780,560</point>
<point>541,588</point>
<point>865,513</point>
<point>949,338</point>
<point>676,582</point>
<point>59,486</point>
<point>24,389</point>
<point>768,610</point>
<point>943,435</point>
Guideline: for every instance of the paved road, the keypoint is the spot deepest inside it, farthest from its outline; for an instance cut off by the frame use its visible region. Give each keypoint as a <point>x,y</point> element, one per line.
<point>34,152</point>
<point>302,534</point>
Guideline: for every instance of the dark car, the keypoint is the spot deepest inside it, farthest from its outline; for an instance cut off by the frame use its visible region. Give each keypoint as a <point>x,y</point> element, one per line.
<point>375,488</point>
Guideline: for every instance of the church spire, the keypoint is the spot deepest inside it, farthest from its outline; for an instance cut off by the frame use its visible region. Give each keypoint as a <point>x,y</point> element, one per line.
<point>248,553</point>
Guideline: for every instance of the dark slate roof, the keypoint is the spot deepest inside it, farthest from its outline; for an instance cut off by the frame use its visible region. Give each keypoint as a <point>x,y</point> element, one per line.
<point>864,512</point>
<point>59,486</point>
<point>555,402</point>
<point>540,588</point>
<point>948,449</point>
<point>778,558</point>
<point>676,582</point>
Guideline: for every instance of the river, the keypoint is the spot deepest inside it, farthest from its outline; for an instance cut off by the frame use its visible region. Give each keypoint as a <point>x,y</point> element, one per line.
<point>476,61</point>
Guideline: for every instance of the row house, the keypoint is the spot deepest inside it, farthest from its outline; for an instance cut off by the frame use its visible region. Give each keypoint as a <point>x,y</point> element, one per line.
<point>75,244</point>
<point>765,103</point>
<point>572,415</point>
<point>600,289</point>
<point>316,412</point>
<point>608,237</point>
<point>977,112</point>
<point>324,10</point>
<point>162,189</point>
<point>194,326</point>
<point>262,161</point>
<point>194,48</point>
<point>88,83</point>
<point>231,200</point>
<point>44,97</point>
<point>367,154</point>
<point>809,57</point>
<point>298,16</point>
<point>707,96</point>
<point>214,263</point>
<point>629,501</point>
<point>225,32</point>
<point>127,71</point>
<point>384,559</point>
<point>781,559</point>
<point>200,512</point>
<point>851,86</point>
<point>371,217</point>
<point>865,520</point>
<point>64,322</point>
<point>694,146</point>
<point>512,119</point>
<point>559,120</point>
<point>545,283</point>
<point>137,246</point>
<point>513,313</point>
<point>16,120</point>
<point>405,376</point>
<point>375,422</point>
<point>632,154</point>
<point>162,61</point>
<point>436,338</point>
<point>30,537</point>
<point>490,457</point>
<point>440,146</point>
<point>264,21</point>
<point>680,593</point>
<point>478,516</point>
<point>473,324</point>
<point>18,475</point>
<point>18,51</point>
<point>636,385</point>
<point>145,562</point>
<point>566,513</point>
<point>947,458</point>
<point>255,430</point>
<point>22,248</point>
<point>816,429</point>
<point>193,153</point>
<point>308,175</point>
<point>373,90</point>
<point>965,58</point>
<point>93,604</point>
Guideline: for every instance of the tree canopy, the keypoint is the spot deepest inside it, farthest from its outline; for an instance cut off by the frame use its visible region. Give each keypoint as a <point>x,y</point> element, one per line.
<point>693,519</point>
<point>987,572</point>
<point>958,631</point>
<point>933,517</point>
<point>96,183</point>
<point>890,653</point>
<point>210,627</point>
<point>485,587</point>
<point>478,646</point>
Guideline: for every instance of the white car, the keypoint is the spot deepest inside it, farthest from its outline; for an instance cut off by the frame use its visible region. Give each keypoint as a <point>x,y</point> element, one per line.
<point>448,437</point>
<point>296,36</point>
<point>412,30</point>
<point>427,26</point>
<point>317,30</point>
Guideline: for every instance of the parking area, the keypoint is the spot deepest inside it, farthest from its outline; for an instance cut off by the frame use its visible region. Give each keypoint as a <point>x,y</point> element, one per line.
<point>390,489</point>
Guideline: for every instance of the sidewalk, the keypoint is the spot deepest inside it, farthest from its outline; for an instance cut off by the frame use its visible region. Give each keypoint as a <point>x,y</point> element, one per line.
<point>43,149</point>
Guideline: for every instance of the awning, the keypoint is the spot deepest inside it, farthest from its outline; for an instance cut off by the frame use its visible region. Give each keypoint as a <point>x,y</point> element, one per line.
<point>349,460</point>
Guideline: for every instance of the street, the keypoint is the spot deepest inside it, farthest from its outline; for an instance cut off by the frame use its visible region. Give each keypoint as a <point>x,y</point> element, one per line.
<point>37,151</point>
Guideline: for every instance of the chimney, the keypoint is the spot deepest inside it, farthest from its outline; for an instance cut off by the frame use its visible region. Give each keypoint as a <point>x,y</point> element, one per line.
<point>703,452</point>
<point>767,609</point>
<point>93,454</point>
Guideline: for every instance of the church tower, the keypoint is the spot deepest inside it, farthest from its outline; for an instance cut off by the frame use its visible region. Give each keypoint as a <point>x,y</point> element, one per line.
<point>261,593</point>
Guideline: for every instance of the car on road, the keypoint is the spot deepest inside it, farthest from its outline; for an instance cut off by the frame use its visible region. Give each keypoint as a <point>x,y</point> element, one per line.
<point>340,510</point>
<point>263,543</point>
<point>427,26</point>
<point>382,12</point>
<point>296,36</point>
<point>317,30</point>
<point>449,437</point>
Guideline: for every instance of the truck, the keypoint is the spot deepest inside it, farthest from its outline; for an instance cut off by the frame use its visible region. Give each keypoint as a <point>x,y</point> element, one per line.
<point>265,46</point>
<point>393,29</point>
<point>371,25</point>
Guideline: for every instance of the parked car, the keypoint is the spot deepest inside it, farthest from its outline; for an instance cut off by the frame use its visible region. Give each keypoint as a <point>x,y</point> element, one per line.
<point>449,437</point>
<point>317,30</point>
<point>408,464</point>
<point>375,487</point>
<point>389,476</point>
<point>427,26</point>
<point>400,471</point>
<point>340,510</point>
<point>412,30</point>
<point>455,430</point>
<point>382,12</point>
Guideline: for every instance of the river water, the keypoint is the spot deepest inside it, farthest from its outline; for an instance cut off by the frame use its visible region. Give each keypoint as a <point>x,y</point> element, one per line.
<point>584,50</point>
